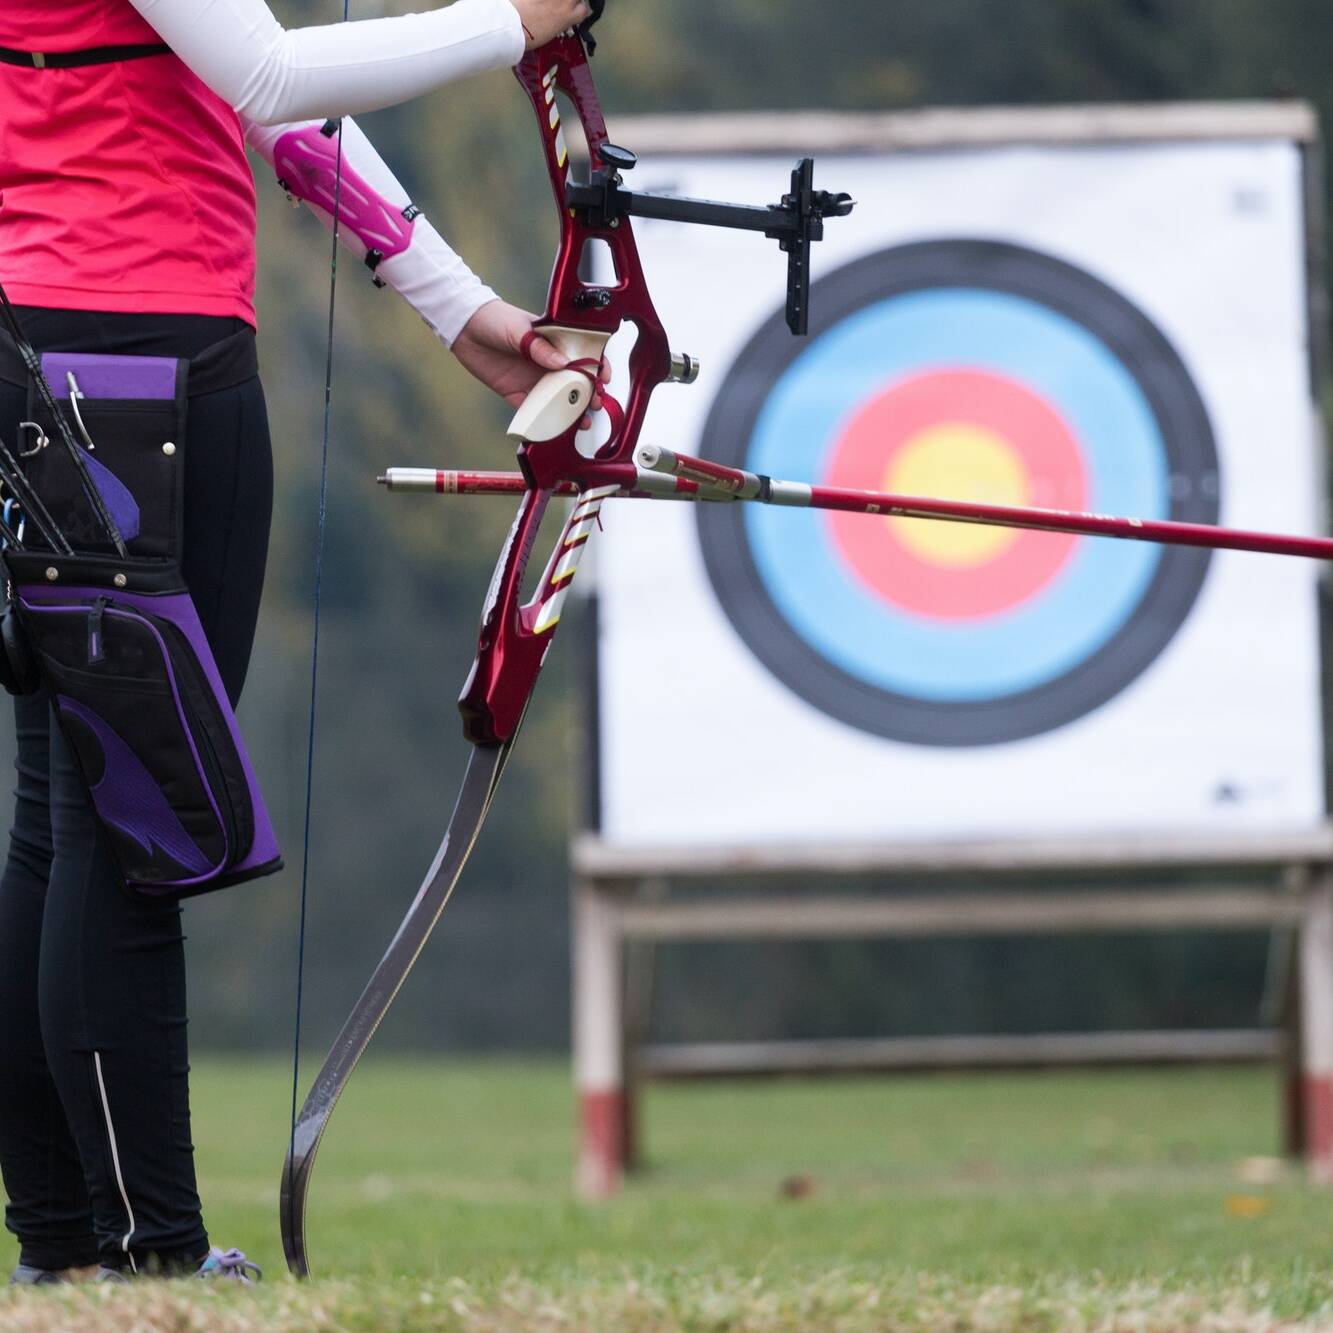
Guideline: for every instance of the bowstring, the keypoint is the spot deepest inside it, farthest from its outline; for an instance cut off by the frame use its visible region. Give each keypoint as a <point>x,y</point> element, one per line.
<point>314,644</point>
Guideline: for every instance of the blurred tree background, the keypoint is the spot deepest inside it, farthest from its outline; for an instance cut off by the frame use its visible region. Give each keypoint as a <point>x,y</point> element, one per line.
<point>404,576</point>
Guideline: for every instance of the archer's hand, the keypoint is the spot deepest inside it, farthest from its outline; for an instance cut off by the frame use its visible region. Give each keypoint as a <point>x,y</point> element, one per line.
<point>545,19</point>
<point>490,348</point>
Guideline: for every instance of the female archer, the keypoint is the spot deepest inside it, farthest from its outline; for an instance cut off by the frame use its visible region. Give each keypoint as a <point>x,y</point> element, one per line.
<point>127,227</point>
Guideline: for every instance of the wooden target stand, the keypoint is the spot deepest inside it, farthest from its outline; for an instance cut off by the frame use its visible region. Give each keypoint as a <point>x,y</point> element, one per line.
<point>628,902</point>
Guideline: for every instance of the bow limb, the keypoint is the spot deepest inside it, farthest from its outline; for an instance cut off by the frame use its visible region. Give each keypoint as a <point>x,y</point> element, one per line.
<point>484,771</point>
<point>514,641</point>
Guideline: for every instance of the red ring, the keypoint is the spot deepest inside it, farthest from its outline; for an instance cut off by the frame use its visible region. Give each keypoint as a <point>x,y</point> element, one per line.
<point>1040,438</point>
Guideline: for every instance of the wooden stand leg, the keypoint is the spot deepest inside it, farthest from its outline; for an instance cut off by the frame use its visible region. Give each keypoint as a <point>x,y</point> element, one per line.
<point>1316,991</point>
<point>599,1073</point>
<point>1294,1131</point>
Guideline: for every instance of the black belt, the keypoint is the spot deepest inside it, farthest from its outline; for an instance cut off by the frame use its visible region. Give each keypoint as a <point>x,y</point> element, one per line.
<point>93,55</point>
<point>222,365</point>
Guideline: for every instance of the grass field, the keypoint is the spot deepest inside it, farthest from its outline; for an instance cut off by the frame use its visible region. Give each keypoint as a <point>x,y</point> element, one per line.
<point>442,1200</point>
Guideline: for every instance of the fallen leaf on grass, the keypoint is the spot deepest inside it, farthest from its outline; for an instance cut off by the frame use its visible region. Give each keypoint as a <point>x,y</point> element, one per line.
<point>1248,1205</point>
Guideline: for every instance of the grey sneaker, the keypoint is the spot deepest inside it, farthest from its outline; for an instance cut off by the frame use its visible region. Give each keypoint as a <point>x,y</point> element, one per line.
<point>229,1264</point>
<point>26,1276</point>
<point>105,1274</point>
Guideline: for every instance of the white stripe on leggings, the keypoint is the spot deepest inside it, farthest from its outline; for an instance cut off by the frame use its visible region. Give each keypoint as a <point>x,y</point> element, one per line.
<point>115,1161</point>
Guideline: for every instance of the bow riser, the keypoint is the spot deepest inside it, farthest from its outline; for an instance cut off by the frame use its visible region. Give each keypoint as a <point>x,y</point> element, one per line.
<point>507,651</point>
<point>515,636</point>
<point>562,67</point>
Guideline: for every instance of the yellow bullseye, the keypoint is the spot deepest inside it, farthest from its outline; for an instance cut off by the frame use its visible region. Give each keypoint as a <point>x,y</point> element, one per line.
<point>961,461</point>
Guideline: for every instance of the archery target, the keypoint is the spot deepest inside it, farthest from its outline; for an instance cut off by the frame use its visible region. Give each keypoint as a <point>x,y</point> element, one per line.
<point>1114,327</point>
<point>981,371</point>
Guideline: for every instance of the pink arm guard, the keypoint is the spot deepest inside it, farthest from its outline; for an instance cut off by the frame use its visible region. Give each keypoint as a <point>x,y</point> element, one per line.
<point>378,221</point>
<point>306,162</point>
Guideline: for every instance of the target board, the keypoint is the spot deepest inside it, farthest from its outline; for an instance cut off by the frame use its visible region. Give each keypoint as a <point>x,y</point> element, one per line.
<point>934,678</point>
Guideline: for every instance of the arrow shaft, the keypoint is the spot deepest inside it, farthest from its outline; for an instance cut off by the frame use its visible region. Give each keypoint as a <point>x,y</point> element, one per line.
<point>742,485</point>
<point>716,482</point>
<point>1162,531</point>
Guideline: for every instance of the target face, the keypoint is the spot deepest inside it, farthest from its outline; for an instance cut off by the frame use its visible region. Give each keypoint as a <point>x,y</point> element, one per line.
<point>976,371</point>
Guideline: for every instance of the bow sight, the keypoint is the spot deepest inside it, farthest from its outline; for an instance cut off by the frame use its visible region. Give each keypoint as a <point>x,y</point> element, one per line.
<point>794,222</point>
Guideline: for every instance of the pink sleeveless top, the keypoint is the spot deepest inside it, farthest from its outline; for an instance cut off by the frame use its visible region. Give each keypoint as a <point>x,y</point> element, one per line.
<point>125,186</point>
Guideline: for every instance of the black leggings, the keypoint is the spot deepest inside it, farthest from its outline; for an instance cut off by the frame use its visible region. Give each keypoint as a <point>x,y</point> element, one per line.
<point>95,1142</point>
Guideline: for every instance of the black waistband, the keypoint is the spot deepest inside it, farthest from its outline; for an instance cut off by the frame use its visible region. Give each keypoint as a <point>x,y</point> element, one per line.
<point>93,55</point>
<point>222,365</point>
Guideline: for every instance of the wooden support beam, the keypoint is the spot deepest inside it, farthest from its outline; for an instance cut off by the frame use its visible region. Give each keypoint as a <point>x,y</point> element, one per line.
<point>1028,1051</point>
<point>955,128</point>
<point>594,859</point>
<point>954,914</point>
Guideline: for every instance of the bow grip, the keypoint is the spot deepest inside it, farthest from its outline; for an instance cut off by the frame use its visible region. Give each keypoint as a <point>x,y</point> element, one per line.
<point>561,398</point>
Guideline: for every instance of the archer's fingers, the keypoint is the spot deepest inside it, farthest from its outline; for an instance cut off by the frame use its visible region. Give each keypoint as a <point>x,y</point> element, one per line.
<point>545,355</point>
<point>594,407</point>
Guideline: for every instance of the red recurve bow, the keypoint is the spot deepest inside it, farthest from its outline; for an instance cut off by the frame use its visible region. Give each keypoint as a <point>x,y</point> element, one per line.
<point>580,318</point>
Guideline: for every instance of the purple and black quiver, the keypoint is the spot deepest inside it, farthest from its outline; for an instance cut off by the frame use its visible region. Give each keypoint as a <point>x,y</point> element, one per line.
<point>120,649</point>
<point>116,639</point>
